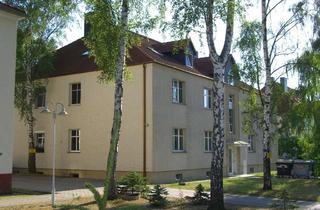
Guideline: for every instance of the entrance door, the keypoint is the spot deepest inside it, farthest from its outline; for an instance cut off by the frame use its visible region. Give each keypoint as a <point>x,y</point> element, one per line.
<point>230,162</point>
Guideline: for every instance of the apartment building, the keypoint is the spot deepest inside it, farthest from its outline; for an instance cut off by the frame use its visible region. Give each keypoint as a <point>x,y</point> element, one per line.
<point>167,124</point>
<point>9,17</point>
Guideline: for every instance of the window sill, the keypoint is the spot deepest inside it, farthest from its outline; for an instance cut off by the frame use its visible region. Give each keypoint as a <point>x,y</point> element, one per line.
<point>179,103</point>
<point>74,152</point>
<point>74,104</point>
<point>179,151</point>
<point>208,109</point>
<point>207,151</point>
<point>252,151</point>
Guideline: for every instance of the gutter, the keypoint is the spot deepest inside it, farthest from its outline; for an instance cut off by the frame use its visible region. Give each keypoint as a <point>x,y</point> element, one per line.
<point>144,170</point>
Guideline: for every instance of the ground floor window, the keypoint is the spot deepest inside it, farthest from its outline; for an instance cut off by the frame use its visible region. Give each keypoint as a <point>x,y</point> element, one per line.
<point>39,142</point>
<point>207,141</point>
<point>251,147</point>
<point>75,140</point>
<point>178,141</point>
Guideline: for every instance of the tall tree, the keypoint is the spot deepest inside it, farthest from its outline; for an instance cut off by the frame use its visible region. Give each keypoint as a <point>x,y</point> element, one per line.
<point>37,36</point>
<point>109,39</point>
<point>273,40</point>
<point>192,16</point>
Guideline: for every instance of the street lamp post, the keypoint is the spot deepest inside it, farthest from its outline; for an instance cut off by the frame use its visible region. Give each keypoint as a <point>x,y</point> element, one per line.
<point>60,110</point>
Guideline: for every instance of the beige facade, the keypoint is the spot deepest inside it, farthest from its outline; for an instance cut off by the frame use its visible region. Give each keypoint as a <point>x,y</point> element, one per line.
<point>93,117</point>
<point>8,36</point>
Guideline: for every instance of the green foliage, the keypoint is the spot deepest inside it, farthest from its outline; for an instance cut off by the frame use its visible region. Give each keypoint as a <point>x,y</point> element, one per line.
<point>284,203</point>
<point>249,44</point>
<point>106,31</point>
<point>200,196</point>
<point>96,195</point>
<point>134,181</point>
<point>189,16</point>
<point>253,113</point>
<point>157,196</point>
<point>36,43</point>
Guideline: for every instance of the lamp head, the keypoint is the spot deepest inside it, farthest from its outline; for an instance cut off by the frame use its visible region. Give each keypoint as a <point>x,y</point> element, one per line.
<point>45,110</point>
<point>63,112</point>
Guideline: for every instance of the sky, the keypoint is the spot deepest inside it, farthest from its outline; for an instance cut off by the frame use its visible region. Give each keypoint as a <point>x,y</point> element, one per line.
<point>297,37</point>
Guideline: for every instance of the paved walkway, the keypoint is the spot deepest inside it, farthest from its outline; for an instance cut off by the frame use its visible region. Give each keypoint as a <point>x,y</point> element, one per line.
<point>64,192</point>
<point>249,201</point>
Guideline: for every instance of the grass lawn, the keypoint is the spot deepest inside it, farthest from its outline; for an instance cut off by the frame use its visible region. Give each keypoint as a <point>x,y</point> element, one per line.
<point>298,189</point>
<point>88,203</point>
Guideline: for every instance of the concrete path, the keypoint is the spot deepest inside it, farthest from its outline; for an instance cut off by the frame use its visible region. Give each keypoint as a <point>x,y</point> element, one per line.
<point>70,188</point>
<point>245,200</point>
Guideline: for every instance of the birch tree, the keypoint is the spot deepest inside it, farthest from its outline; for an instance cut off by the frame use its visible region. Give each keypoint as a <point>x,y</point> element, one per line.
<point>193,16</point>
<point>262,45</point>
<point>37,38</point>
<point>109,38</point>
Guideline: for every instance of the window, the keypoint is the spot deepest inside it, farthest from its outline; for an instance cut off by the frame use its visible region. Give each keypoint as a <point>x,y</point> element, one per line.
<point>75,140</point>
<point>39,137</point>
<point>75,93</point>
<point>189,60</point>
<point>251,147</point>
<point>231,114</point>
<point>207,141</point>
<point>178,140</point>
<point>40,100</point>
<point>207,98</point>
<point>177,91</point>
<point>179,177</point>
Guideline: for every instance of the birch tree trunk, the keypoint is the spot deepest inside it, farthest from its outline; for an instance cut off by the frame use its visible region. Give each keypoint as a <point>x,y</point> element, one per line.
<point>30,123</point>
<point>219,64</point>
<point>267,98</point>
<point>216,184</point>
<point>117,116</point>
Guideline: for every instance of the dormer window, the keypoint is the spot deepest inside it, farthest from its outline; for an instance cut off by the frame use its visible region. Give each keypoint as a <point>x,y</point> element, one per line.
<point>189,60</point>
<point>86,53</point>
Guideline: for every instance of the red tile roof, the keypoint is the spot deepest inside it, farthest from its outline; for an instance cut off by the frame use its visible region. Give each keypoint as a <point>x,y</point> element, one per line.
<point>71,59</point>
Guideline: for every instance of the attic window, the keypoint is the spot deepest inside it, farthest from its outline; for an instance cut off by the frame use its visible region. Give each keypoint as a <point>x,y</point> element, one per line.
<point>86,53</point>
<point>189,60</point>
<point>153,50</point>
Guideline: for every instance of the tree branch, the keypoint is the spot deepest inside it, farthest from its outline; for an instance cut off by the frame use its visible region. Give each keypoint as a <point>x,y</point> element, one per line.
<point>229,31</point>
<point>209,30</point>
<point>274,7</point>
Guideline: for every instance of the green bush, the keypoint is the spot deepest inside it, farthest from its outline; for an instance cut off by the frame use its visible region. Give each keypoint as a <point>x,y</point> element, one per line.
<point>200,196</point>
<point>157,196</point>
<point>284,202</point>
<point>134,181</point>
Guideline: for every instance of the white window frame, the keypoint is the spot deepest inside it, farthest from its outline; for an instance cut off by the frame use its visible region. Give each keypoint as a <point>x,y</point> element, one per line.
<point>77,138</point>
<point>208,137</point>
<point>231,113</point>
<point>78,98</point>
<point>179,137</point>
<point>251,143</point>
<point>36,133</point>
<point>207,98</point>
<point>177,91</point>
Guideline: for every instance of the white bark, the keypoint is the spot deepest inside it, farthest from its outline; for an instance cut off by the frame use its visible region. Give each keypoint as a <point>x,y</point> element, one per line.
<point>267,97</point>
<point>115,132</point>
<point>219,64</point>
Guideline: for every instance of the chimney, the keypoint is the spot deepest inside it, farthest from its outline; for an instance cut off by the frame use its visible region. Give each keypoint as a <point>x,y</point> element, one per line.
<point>284,83</point>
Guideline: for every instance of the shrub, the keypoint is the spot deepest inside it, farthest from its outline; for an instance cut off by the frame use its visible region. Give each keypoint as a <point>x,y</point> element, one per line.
<point>200,196</point>
<point>157,196</point>
<point>284,202</point>
<point>134,181</point>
